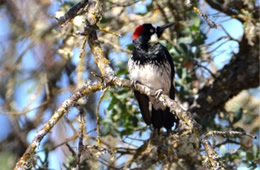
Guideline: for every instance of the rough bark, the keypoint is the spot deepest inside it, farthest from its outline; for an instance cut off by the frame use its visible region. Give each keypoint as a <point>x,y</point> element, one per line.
<point>241,73</point>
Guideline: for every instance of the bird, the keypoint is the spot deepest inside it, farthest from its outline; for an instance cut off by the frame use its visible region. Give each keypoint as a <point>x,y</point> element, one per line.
<point>151,65</point>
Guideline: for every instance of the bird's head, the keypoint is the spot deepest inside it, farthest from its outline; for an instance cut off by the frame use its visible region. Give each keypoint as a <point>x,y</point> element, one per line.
<point>144,32</point>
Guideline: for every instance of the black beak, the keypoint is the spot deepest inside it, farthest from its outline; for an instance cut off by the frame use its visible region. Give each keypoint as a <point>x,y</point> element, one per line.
<point>159,30</point>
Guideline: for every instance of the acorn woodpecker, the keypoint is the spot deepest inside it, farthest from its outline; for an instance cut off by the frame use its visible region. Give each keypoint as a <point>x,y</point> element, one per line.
<point>152,65</point>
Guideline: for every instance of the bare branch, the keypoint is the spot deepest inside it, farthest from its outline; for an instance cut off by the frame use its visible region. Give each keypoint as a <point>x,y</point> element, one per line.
<point>26,160</point>
<point>212,155</point>
<point>98,115</point>
<point>228,134</point>
<point>222,8</point>
<point>73,12</point>
<point>241,73</point>
<point>82,129</point>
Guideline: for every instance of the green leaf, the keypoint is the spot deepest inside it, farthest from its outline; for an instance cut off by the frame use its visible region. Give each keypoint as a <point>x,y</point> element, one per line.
<point>184,47</point>
<point>112,103</point>
<point>179,72</point>
<point>196,21</point>
<point>104,20</point>
<point>130,47</point>
<point>237,115</point>
<point>239,129</point>
<point>199,39</point>
<point>249,156</point>
<point>121,71</point>
<point>188,79</point>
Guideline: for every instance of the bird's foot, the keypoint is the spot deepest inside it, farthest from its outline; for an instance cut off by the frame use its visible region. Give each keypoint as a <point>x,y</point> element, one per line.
<point>158,93</point>
<point>156,133</point>
<point>168,132</point>
<point>133,83</point>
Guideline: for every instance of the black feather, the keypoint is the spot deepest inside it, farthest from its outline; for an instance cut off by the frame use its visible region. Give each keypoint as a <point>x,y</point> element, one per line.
<point>143,102</point>
<point>159,60</point>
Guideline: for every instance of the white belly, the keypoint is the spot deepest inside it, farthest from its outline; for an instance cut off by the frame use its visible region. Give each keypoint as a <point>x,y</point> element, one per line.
<point>152,76</point>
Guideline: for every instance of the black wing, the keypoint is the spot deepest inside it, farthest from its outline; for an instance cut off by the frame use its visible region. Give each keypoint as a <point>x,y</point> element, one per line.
<point>169,58</point>
<point>143,102</point>
<point>169,119</point>
<point>159,117</point>
<point>165,55</point>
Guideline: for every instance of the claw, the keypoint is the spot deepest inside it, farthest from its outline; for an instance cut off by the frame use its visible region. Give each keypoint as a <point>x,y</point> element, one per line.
<point>156,132</point>
<point>158,93</point>
<point>133,83</point>
<point>168,131</point>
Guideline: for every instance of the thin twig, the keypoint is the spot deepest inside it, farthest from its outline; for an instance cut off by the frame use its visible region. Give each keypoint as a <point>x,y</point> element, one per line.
<point>116,4</point>
<point>196,10</point>
<point>82,127</point>
<point>218,46</point>
<point>98,115</point>
<point>229,134</point>
<point>226,32</point>
<point>26,159</point>
<point>215,41</point>
<point>26,110</point>
<point>67,140</point>
<point>73,12</point>
<point>162,12</point>
<point>114,45</point>
<point>106,30</point>
<point>227,141</point>
<point>212,155</point>
<point>81,65</point>
<point>199,65</point>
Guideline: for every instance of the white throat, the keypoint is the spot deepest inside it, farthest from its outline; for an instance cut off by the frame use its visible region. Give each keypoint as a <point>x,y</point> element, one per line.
<point>154,39</point>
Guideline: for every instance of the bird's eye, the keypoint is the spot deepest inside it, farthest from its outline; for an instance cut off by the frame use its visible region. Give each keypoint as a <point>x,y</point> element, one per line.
<point>152,30</point>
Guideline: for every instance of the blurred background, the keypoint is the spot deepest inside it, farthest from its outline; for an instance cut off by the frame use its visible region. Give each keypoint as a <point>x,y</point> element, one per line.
<point>39,69</point>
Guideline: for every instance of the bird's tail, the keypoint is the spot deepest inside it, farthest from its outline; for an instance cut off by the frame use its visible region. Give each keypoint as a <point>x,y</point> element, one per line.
<point>164,118</point>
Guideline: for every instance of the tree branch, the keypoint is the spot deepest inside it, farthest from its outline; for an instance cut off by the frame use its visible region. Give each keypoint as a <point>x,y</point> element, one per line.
<point>223,8</point>
<point>241,73</point>
<point>210,98</point>
<point>77,9</point>
<point>26,161</point>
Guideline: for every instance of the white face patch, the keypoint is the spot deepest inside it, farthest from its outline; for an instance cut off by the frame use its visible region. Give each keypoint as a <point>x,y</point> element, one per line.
<point>154,39</point>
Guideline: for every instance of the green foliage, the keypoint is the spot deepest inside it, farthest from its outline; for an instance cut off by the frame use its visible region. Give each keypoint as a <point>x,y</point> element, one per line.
<point>243,158</point>
<point>184,54</point>
<point>121,70</point>
<point>7,160</point>
<point>130,47</point>
<point>121,115</point>
<point>238,115</point>
<point>70,162</point>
